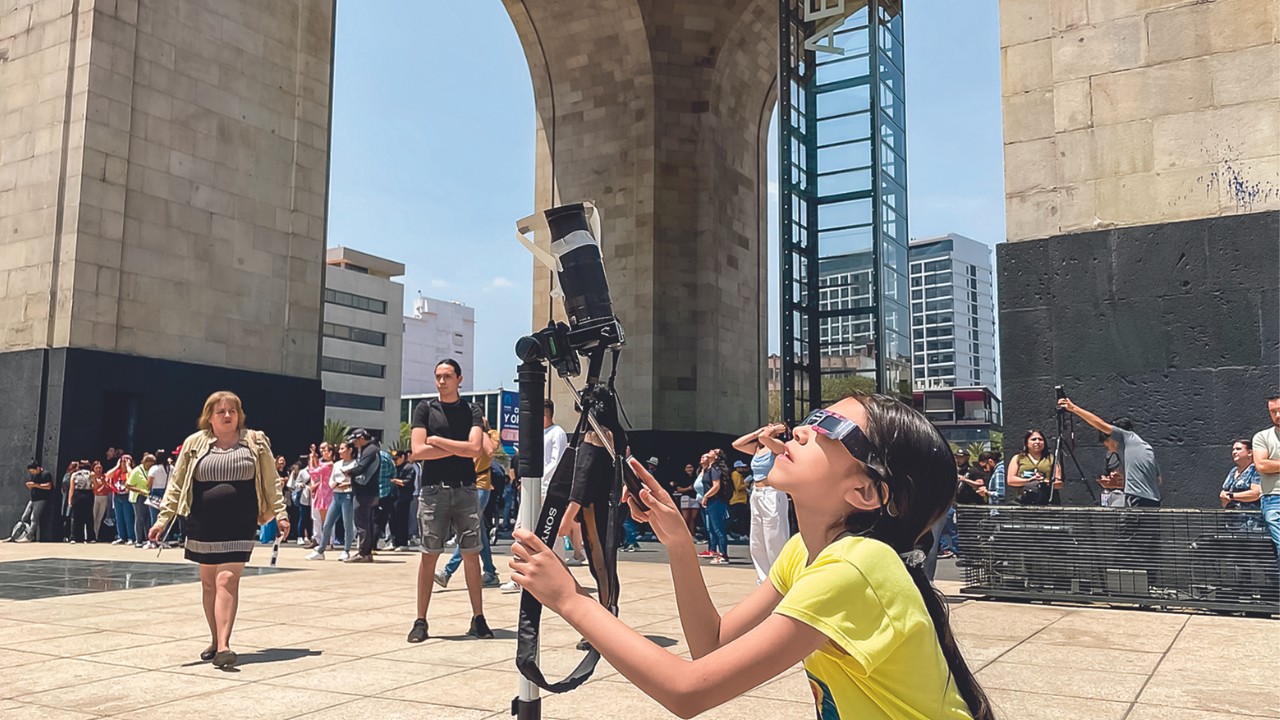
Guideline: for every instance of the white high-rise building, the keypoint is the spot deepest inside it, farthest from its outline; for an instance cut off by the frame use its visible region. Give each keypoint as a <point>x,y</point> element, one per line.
<point>438,329</point>
<point>952,318</point>
<point>362,347</point>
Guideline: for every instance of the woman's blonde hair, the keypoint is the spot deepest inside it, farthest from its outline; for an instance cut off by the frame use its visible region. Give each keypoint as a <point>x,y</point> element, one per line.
<point>206,415</point>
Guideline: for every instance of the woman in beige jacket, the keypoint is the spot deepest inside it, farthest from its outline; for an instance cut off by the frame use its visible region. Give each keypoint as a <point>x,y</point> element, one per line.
<point>225,485</point>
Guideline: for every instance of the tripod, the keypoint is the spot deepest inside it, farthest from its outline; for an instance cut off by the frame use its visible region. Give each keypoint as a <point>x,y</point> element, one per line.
<point>1067,427</point>
<point>600,411</point>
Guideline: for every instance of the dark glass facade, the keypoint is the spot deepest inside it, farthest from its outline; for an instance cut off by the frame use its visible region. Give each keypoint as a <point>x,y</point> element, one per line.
<point>843,203</point>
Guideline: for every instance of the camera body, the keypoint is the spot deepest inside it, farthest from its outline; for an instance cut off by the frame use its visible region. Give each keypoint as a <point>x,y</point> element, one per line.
<point>1060,392</point>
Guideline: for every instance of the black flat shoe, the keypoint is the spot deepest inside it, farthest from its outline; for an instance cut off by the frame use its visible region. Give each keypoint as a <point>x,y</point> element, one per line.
<point>224,659</point>
<point>208,654</point>
<point>480,628</point>
<point>419,632</point>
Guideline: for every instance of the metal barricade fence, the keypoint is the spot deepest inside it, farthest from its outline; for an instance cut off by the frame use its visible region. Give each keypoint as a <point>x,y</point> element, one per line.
<point>1183,558</point>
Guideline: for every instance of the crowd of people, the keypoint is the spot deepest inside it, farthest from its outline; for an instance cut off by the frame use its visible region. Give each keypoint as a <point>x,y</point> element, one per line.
<point>865,481</point>
<point>1131,474</point>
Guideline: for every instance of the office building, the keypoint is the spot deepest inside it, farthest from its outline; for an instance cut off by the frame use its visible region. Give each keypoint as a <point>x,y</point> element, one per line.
<point>361,350</point>
<point>952,320</point>
<point>438,329</point>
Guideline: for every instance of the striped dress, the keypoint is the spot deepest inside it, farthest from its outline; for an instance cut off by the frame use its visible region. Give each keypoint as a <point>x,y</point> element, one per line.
<point>223,523</point>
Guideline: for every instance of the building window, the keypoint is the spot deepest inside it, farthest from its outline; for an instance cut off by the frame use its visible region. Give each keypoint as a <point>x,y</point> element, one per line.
<point>353,401</point>
<point>352,367</point>
<point>359,302</point>
<point>355,334</point>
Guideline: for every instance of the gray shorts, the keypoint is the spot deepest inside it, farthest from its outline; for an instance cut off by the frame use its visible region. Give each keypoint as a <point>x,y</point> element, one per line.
<point>444,511</point>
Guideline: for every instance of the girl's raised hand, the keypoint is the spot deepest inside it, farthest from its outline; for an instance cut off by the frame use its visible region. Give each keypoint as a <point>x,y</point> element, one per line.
<point>663,514</point>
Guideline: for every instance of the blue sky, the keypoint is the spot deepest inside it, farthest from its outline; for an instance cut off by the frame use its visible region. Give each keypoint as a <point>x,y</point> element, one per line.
<point>433,128</point>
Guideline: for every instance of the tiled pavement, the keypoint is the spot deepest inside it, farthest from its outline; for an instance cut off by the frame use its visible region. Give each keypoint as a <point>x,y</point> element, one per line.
<point>329,642</point>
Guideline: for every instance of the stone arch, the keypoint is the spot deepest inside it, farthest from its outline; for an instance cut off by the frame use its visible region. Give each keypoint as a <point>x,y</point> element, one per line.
<point>641,108</point>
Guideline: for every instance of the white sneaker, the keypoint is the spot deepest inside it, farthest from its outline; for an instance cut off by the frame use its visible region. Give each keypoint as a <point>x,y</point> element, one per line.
<point>345,555</point>
<point>509,586</point>
<point>301,541</point>
<point>314,555</point>
<point>575,562</point>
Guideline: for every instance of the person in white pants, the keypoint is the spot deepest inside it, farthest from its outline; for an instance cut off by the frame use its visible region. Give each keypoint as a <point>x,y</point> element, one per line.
<point>770,526</point>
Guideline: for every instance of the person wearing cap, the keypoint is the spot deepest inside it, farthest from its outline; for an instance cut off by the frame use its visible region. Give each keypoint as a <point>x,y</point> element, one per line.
<point>225,484</point>
<point>364,492</point>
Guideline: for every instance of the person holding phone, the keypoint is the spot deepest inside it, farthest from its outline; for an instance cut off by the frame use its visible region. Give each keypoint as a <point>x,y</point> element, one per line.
<point>1028,472</point>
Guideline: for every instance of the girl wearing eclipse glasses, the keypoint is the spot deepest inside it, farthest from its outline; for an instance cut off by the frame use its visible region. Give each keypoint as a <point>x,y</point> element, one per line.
<point>847,596</point>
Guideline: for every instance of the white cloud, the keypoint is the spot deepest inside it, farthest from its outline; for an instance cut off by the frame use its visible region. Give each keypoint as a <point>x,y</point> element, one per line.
<point>498,283</point>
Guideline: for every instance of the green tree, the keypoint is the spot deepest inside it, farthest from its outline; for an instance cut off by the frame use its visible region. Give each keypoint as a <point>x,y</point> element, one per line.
<point>997,441</point>
<point>335,432</point>
<point>402,442</point>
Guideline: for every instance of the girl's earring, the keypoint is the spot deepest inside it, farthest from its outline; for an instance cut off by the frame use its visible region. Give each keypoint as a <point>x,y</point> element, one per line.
<point>890,506</point>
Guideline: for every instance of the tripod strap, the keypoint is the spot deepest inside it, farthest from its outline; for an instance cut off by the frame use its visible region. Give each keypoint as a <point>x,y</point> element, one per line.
<point>580,463</point>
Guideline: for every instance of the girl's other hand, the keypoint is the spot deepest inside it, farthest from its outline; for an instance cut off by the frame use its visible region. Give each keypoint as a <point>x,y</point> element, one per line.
<point>663,514</point>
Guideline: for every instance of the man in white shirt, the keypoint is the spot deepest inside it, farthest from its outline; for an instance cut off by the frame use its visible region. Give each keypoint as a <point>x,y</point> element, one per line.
<point>159,476</point>
<point>554,442</point>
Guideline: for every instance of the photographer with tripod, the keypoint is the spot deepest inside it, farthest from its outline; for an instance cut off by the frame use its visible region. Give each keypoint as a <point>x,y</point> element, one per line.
<point>1142,478</point>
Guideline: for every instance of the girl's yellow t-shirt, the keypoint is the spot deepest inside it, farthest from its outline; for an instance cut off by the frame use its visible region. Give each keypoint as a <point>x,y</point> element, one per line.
<point>883,659</point>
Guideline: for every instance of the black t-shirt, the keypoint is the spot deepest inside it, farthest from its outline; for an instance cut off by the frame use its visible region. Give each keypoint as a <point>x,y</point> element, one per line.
<point>452,421</point>
<point>407,472</point>
<point>724,493</point>
<point>968,494</point>
<point>42,478</point>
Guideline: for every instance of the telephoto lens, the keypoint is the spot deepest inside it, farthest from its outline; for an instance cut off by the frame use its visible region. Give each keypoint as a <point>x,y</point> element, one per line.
<point>582,278</point>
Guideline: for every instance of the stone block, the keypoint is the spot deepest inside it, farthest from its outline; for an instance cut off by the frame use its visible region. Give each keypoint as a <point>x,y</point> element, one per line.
<point>1081,268</point>
<point>1031,165</point>
<point>1027,67</point>
<point>1023,21</point>
<point>1161,259</point>
<point>1098,49</point>
<point>1070,14</point>
<point>1028,116</point>
<point>1240,24</point>
<point>1246,186</point>
<point>1238,132</point>
<point>1150,92</point>
<point>1245,75</point>
<point>1072,105</point>
<point>1105,151</point>
<point>1243,251</point>
<point>1032,215</point>
<point>1179,33</point>
<point>1077,207</point>
<point>1209,330</point>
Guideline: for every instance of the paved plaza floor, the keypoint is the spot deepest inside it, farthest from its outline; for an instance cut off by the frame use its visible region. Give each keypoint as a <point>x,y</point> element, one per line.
<point>327,640</point>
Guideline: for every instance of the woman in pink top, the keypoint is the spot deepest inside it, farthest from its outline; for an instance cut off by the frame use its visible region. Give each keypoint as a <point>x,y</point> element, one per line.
<point>321,494</point>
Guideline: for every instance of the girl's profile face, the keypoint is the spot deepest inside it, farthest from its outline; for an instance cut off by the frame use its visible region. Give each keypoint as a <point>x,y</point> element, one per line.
<point>1239,452</point>
<point>817,468</point>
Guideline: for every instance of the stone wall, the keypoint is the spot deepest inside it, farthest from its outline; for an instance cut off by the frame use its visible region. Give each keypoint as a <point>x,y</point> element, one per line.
<point>163,178</point>
<point>163,172</point>
<point>1142,173</point>
<point>1131,112</point>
